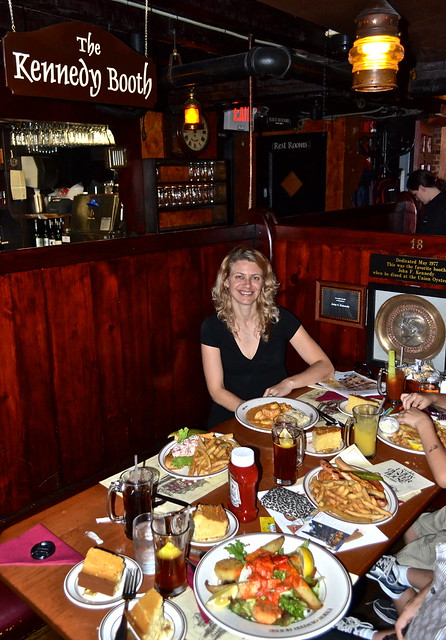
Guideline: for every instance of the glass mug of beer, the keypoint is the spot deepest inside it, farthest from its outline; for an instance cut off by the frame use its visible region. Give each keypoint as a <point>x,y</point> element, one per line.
<point>363,429</point>
<point>288,449</point>
<point>138,488</point>
<point>171,535</point>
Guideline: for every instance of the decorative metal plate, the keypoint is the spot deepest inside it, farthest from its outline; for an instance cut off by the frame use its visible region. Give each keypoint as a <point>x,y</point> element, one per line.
<point>412,323</point>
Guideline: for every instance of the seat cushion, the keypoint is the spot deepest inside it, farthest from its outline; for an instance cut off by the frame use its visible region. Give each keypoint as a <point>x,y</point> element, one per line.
<point>17,620</point>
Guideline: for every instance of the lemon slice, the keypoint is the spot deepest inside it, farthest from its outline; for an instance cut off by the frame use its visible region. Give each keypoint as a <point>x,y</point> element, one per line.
<point>286,439</point>
<point>306,560</point>
<point>221,599</point>
<point>168,552</point>
<point>417,446</point>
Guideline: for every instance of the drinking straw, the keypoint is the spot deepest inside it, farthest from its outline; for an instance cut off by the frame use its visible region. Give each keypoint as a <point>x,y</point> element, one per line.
<point>391,363</point>
<point>402,355</point>
<point>135,471</point>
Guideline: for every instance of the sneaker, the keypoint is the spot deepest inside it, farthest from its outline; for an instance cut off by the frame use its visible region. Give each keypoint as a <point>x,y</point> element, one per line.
<point>356,627</point>
<point>385,610</point>
<point>383,573</point>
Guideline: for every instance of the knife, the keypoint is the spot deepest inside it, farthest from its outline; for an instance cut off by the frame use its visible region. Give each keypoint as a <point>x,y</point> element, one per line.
<point>330,419</point>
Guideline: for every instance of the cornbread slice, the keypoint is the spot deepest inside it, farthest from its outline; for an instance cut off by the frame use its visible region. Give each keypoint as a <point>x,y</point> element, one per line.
<point>353,401</point>
<point>101,571</point>
<point>210,522</point>
<point>147,617</point>
<point>326,438</point>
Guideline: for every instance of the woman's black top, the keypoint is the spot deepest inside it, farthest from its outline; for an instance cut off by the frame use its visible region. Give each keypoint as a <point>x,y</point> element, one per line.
<point>248,378</point>
<point>433,221</point>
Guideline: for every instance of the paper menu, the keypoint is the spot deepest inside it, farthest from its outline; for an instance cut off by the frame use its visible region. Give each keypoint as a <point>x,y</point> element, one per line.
<point>348,382</point>
<point>404,481</point>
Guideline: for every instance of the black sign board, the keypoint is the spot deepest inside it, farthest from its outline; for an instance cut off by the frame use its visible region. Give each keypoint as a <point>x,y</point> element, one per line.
<point>408,268</point>
<point>78,61</point>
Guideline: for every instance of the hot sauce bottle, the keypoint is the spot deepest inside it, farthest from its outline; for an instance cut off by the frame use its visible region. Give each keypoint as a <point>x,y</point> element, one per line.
<point>243,477</point>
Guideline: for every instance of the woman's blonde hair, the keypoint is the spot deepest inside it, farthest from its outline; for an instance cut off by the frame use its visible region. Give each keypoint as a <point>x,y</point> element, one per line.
<point>266,307</point>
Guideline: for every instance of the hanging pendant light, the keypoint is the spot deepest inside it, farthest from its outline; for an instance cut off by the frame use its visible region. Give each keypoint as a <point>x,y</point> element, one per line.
<point>192,113</point>
<point>377,51</point>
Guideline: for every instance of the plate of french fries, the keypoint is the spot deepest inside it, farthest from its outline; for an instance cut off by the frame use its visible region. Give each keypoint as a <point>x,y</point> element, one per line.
<point>258,414</point>
<point>407,438</point>
<point>350,493</point>
<point>203,455</point>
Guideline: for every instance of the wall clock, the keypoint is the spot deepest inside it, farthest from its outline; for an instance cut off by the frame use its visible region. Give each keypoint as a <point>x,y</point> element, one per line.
<point>193,142</point>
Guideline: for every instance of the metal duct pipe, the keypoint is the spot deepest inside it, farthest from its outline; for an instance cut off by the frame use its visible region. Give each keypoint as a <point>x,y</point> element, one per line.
<point>259,62</point>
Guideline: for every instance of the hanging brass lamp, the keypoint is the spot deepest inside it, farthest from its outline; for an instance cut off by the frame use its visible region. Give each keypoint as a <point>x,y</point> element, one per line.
<point>192,112</point>
<point>377,51</point>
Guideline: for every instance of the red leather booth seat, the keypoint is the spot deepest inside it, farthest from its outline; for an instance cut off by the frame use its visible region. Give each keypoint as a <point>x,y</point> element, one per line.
<point>17,620</point>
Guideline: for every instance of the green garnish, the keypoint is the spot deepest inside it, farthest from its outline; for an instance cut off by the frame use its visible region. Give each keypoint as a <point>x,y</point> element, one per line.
<point>237,550</point>
<point>181,461</point>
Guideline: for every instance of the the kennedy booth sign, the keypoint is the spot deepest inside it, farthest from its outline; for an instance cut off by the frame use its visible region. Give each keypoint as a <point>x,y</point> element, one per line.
<point>78,61</point>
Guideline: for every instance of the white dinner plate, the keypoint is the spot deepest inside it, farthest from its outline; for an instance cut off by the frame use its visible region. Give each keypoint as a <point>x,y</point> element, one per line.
<point>387,439</point>
<point>244,407</point>
<point>309,449</point>
<point>336,591</point>
<point>183,472</point>
<point>99,600</point>
<point>172,612</point>
<point>392,500</point>
<point>342,406</point>
<point>230,533</point>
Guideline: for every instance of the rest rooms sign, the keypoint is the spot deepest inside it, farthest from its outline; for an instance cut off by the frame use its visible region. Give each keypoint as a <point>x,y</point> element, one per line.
<point>78,61</point>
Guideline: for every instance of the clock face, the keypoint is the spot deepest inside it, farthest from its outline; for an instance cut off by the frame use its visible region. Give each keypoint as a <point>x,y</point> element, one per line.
<point>194,141</point>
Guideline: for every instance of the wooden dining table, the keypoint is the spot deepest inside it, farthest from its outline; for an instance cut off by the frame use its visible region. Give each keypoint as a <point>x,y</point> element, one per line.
<point>42,586</point>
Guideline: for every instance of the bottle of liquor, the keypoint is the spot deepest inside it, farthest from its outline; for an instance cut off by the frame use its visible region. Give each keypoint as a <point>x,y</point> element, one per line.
<point>46,233</point>
<point>58,230</point>
<point>38,237</point>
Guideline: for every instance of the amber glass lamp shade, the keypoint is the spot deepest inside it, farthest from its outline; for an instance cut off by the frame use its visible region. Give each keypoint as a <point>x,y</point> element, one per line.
<point>377,51</point>
<point>192,114</point>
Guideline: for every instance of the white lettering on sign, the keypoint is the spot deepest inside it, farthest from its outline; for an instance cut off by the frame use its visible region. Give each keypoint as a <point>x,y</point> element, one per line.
<point>139,83</point>
<point>54,73</point>
<point>82,75</point>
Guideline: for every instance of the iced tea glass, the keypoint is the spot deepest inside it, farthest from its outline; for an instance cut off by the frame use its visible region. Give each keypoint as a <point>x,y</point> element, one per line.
<point>138,488</point>
<point>394,383</point>
<point>171,535</point>
<point>288,449</point>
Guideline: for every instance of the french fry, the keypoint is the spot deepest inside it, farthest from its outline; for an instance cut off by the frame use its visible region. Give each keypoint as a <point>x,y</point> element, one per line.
<point>347,498</point>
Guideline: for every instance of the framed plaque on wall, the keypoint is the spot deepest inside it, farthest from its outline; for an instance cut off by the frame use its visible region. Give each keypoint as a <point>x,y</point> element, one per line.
<point>408,320</point>
<point>340,303</point>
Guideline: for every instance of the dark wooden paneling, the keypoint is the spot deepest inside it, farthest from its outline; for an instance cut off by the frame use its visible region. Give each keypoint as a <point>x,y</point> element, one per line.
<point>100,355</point>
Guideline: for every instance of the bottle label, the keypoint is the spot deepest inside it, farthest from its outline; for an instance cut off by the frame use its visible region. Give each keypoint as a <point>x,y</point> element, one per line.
<point>234,492</point>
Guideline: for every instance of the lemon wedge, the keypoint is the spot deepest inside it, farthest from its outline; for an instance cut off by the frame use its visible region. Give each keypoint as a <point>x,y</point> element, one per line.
<point>168,552</point>
<point>286,439</point>
<point>221,599</point>
<point>306,561</point>
<point>417,446</point>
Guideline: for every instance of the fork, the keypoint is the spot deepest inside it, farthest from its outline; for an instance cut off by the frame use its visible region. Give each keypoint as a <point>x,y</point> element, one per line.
<point>128,593</point>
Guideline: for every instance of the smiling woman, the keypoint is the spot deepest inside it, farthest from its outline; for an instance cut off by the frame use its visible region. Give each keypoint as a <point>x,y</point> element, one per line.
<point>244,343</point>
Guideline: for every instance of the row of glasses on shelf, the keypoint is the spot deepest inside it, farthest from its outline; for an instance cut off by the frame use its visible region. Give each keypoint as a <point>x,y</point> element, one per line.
<point>185,194</point>
<point>48,136</point>
<point>202,170</point>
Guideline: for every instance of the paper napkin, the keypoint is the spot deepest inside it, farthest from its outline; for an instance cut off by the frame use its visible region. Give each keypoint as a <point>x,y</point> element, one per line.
<point>18,550</point>
<point>404,481</point>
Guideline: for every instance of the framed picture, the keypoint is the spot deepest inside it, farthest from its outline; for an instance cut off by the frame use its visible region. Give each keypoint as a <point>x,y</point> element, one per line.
<point>409,320</point>
<point>340,303</point>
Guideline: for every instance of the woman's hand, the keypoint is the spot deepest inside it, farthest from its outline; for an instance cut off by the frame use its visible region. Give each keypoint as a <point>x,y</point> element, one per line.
<point>417,400</point>
<point>414,418</point>
<point>280,390</point>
